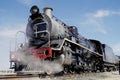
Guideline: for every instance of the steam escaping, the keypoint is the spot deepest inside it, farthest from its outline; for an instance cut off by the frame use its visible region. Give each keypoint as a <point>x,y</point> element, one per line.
<point>34,64</point>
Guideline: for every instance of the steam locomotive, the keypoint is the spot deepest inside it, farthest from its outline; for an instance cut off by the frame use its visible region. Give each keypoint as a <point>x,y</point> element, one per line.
<point>48,38</point>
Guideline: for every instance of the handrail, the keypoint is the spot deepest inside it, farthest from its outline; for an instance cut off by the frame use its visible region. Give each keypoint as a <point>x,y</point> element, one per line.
<point>16,38</point>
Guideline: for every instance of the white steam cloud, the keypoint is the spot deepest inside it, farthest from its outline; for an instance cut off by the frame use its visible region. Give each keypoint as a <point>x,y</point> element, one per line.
<point>38,65</point>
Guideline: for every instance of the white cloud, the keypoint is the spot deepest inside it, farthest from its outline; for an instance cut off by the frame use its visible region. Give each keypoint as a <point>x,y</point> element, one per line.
<point>105,13</point>
<point>101,13</point>
<point>95,21</point>
<point>9,32</point>
<point>26,2</point>
<point>96,25</point>
<point>116,48</point>
<point>115,12</point>
<point>30,2</point>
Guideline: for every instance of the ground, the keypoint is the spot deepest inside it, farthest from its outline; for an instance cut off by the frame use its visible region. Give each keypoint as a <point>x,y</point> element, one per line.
<point>84,76</point>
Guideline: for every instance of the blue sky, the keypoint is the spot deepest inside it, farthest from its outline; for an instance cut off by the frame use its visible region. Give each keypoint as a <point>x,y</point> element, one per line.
<point>96,19</point>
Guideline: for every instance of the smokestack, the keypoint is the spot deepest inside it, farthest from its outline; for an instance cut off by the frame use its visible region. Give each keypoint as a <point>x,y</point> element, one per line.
<point>48,11</point>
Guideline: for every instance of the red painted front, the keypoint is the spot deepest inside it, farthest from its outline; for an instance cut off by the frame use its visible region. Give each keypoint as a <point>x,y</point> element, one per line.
<point>43,53</point>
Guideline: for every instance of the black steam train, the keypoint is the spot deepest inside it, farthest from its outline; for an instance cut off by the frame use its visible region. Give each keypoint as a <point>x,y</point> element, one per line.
<point>51,39</point>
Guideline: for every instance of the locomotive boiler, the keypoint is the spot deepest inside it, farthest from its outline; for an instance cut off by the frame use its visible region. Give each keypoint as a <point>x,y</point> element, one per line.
<point>51,39</point>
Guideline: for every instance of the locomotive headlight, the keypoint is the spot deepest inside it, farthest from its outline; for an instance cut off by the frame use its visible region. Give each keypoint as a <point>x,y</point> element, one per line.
<point>13,56</point>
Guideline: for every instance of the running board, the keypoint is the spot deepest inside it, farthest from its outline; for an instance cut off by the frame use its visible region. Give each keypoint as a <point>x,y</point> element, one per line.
<point>65,39</point>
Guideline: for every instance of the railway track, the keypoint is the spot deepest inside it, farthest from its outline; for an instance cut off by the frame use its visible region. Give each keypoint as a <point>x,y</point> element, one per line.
<point>69,76</point>
<point>23,74</point>
<point>12,76</point>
